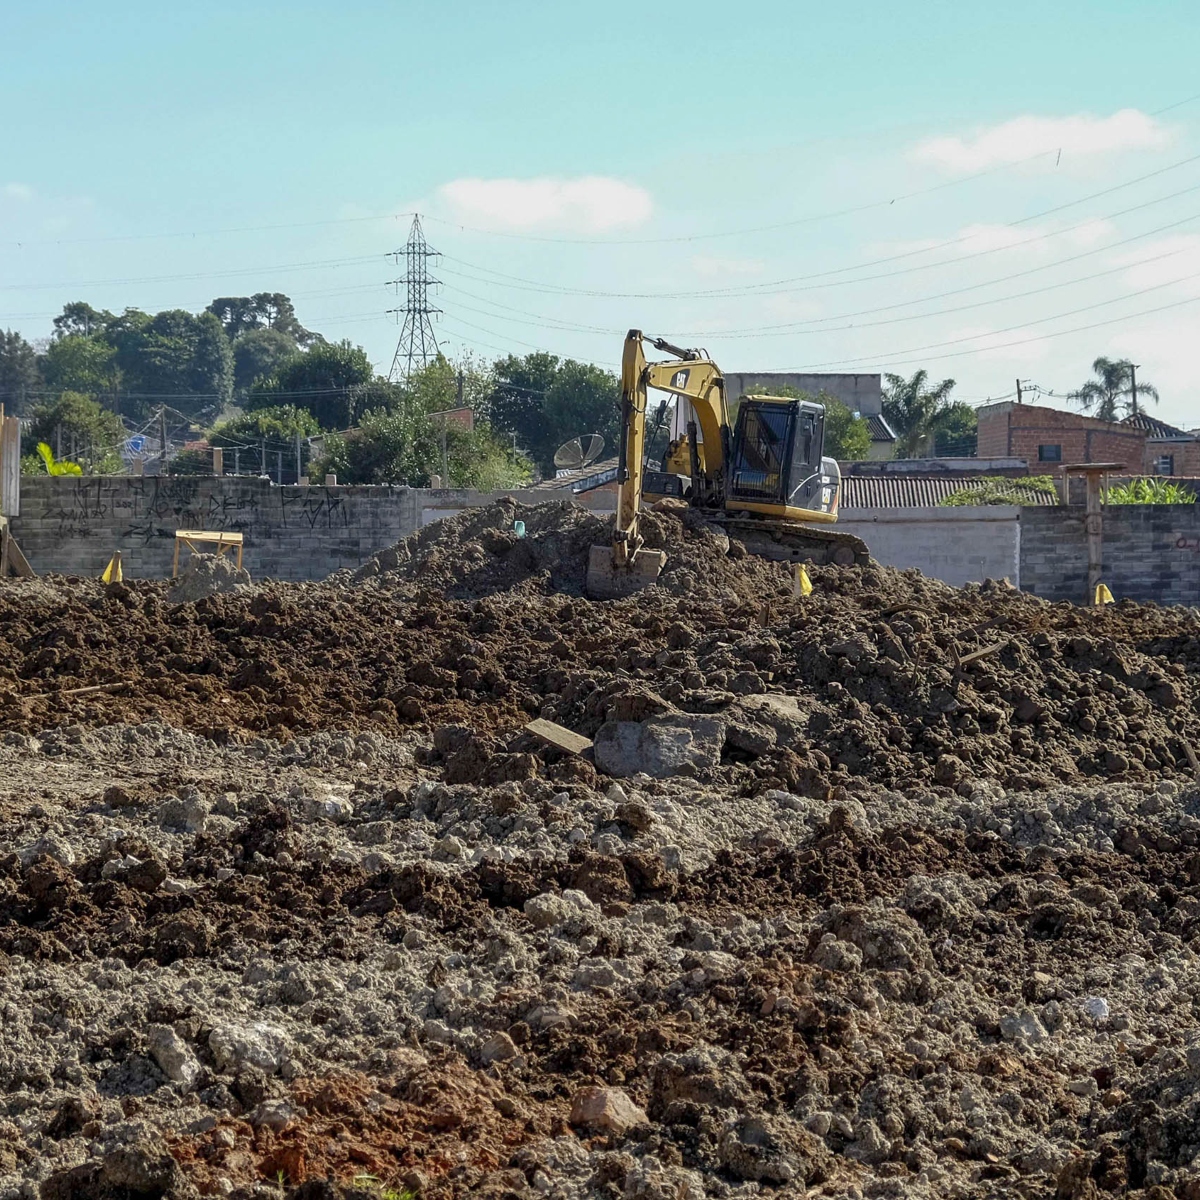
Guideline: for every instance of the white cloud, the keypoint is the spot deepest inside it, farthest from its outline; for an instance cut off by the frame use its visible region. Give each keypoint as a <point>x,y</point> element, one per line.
<point>590,204</point>
<point>704,264</point>
<point>17,191</point>
<point>1080,136</point>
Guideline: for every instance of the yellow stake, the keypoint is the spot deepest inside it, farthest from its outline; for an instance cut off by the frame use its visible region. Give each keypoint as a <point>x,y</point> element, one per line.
<point>801,584</point>
<point>1103,595</point>
<point>112,573</point>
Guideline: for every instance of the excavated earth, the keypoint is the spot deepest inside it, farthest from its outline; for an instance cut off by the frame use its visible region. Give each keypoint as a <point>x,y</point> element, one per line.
<point>891,889</point>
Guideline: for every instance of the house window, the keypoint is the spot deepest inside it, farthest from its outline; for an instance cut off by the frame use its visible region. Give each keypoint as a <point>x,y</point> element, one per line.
<point>1165,465</point>
<point>1049,454</point>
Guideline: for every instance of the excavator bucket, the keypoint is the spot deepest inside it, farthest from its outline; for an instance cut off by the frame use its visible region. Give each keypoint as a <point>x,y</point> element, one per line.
<point>607,581</point>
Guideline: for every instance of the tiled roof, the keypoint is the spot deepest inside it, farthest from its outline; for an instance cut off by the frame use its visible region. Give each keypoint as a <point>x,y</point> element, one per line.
<point>1153,426</point>
<point>919,491</point>
<point>880,430</point>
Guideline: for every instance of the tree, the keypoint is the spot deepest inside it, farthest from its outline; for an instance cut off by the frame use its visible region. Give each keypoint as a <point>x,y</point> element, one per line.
<point>276,427</point>
<point>546,401</point>
<point>19,374</point>
<point>916,411</point>
<point>76,427</point>
<point>957,431</point>
<point>1112,390</point>
<point>259,354</point>
<point>263,310</point>
<point>333,380</point>
<point>77,363</point>
<point>81,319</point>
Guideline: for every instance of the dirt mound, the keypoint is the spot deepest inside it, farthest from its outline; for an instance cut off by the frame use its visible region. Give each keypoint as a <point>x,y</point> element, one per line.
<point>208,575</point>
<point>481,553</point>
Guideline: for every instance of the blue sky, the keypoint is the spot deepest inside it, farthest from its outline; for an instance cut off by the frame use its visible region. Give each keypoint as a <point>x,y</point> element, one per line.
<point>722,174</point>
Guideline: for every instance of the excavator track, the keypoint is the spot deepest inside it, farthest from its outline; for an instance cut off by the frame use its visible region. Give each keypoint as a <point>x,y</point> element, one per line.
<point>791,541</point>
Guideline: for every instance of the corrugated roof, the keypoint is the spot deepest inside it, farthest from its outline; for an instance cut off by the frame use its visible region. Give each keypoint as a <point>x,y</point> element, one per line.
<point>879,429</point>
<point>1153,426</point>
<point>919,491</point>
<point>581,480</point>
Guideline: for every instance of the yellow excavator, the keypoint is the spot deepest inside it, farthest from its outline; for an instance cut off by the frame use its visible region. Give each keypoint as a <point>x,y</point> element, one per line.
<point>765,482</point>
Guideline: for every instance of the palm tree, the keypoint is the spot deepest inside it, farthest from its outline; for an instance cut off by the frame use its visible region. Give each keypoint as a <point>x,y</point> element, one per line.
<point>1112,389</point>
<point>914,411</point>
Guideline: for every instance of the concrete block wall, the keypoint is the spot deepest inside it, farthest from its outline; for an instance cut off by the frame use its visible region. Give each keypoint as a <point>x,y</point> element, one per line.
<point>956,545</point>
<point>1151,552</point>
<point>72,526</point>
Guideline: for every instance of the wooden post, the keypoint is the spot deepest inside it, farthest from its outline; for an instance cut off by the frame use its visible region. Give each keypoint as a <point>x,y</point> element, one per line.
<point>218,460</point>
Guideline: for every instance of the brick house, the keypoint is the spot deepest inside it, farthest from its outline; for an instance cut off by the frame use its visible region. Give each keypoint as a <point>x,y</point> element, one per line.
<point>1169,451</point>
<point>1049,437</point>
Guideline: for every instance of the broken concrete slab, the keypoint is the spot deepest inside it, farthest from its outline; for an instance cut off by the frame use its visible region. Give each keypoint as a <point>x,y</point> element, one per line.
<point>678,744</point>
<point>559,736</point>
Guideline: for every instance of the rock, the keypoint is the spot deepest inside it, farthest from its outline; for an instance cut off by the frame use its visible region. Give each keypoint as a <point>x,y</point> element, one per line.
<point>173,1055</point>
<point>257,1045</point>
<point>116,796</point>
<point>276,1114</point>
<point>553,908</point>
<point>609,1109</point>
<point>950,770</point>
<point>498,1048</point>
<point>750,737</point>
<point>208,575</point>
<point>1024,1025</point>
<point>334,809</point>
<point>835,955</point>
<point>71,1116</point>
<point>661,746</point>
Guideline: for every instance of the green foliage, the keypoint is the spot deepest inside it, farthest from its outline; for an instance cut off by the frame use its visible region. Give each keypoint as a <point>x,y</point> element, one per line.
<point>847,437</point>
<point>259,354</point>
<point>333,380</point>
<point>76,363</point>
<point>997,489</point>
<point>264,310</point>
<point>956,432</point>
<point>1149,491</point>
<point>79,319</point>
<point>278,424</point>
<point>546,401</point>
<point>97,433</point>
<point>19,374</point>
<point>916,412</point>
<point>57,466</point>
<point>1111,392</point>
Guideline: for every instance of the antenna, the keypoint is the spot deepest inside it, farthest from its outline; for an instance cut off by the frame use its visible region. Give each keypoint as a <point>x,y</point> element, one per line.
<point>417,346</point>
<point>578,452</point>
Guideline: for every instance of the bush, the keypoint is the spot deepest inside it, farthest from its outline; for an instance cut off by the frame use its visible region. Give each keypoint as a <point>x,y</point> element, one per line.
<point>1149,491</point>
<point>996,489</point>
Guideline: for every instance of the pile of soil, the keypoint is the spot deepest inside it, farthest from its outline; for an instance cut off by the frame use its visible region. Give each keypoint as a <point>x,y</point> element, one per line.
<point>293,908</point>
<point>896,679</point>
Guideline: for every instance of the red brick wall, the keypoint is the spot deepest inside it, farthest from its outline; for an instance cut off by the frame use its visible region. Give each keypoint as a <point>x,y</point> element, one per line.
<point>1017,430</point>
<point>1185,454</point>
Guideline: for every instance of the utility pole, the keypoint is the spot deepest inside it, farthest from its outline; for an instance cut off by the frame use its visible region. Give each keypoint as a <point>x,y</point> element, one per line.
<point>279,467</point>
<point>1133,389</point>
<point>162,433</point>
<point>1018,391</point>
<point>417,346</point>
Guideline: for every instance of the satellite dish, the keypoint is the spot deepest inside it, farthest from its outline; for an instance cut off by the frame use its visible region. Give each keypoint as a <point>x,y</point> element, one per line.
<point>578,452</point>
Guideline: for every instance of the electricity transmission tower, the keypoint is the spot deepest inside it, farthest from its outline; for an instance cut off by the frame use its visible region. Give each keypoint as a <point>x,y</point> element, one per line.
<point>417,346</point>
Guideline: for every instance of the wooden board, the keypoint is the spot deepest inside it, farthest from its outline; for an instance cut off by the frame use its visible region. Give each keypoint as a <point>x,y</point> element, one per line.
<point>559,736</point>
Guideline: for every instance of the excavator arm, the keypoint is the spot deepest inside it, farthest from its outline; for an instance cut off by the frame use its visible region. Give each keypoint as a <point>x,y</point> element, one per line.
<point>628,566</point>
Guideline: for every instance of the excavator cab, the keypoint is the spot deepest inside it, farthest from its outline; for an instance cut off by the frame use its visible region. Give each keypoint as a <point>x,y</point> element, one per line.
<point>776,464</point>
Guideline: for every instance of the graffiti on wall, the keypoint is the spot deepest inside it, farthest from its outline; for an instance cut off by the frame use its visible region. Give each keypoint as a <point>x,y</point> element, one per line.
<point>152,507</point>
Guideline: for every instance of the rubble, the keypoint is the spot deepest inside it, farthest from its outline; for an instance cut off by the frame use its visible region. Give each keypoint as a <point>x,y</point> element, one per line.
<point>828,908</point>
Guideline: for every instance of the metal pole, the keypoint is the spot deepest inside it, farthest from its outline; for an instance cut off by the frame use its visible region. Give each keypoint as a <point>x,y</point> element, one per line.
<point>1133,389</point>
<point>298,471</point>
<point>237,465</point>
<point>262,457</point>
<point>1018,391</point>
<point>279,466</point>
<point>445,459</point>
